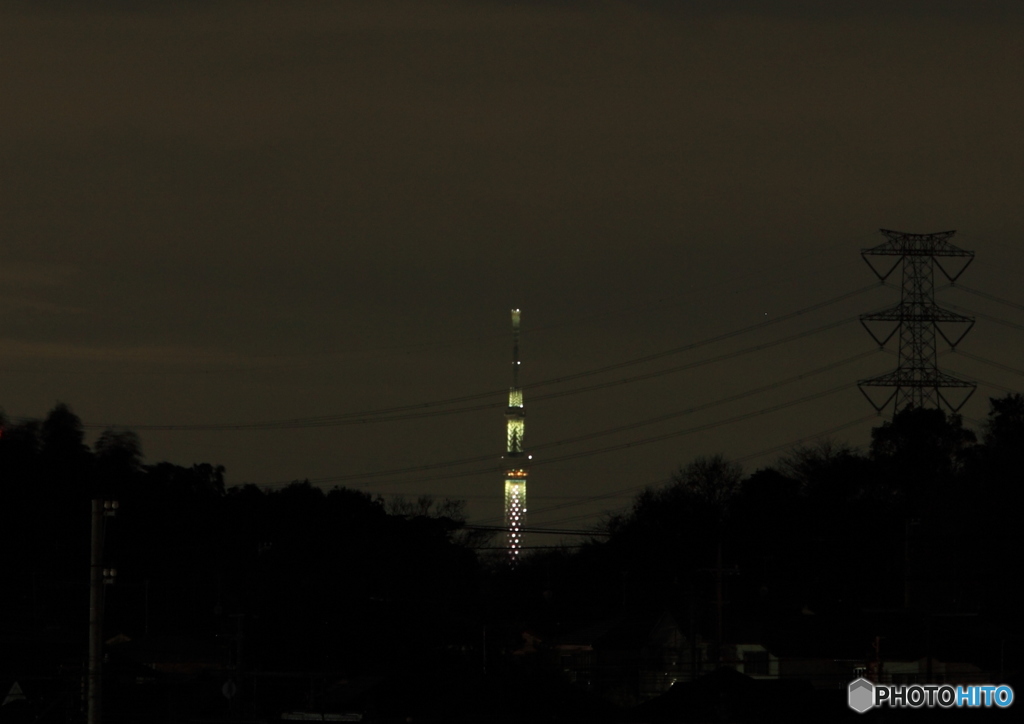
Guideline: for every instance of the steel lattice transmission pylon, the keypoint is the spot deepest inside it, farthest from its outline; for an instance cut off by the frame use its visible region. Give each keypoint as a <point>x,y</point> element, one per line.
<point>917,381</point>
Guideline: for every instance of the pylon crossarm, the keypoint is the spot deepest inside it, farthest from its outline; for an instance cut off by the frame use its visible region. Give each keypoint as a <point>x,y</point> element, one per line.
<point>951,343</point>
<point>892,314</point>
<point>878,408</point>
<point>970,391</point>
<point>903,243</point>
<point>951,381</point>
<point>870,318</point>
<point>881,277</point>
<point>953,277</point>
<point>944,315</point>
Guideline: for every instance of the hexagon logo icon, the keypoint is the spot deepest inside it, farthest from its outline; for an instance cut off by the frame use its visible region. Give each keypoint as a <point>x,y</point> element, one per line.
<point>861,695</point>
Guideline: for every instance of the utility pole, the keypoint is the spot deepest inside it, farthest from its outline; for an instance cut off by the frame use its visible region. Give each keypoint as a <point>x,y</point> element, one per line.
<point>719,572</point>
<point>917,381</point>
<point>876,667</point>
<point>718,604</point>
<point>98,578</point>
<point>909,554</point>
<point>694,652</point>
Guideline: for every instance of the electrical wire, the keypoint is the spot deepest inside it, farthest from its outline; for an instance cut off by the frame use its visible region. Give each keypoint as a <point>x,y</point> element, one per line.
<point>538,531</point>
<point>760,273</point>
<point>985,360</point>
<point>989,317</point>
<point>992,297</point>
<point>621,446</point>
<point>390,413</point>
<point>631,490</point>
<point>699,363</point>
<point>607,431</point>
<point>666,481</point>
<point>989,383</point>
<point>495,405</point>
<point>697,428</point>
<point>715,403</point>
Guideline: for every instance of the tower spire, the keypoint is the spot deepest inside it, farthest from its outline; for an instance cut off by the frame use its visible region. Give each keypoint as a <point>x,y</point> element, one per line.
<point>516,472</point>
<point>515,348</point>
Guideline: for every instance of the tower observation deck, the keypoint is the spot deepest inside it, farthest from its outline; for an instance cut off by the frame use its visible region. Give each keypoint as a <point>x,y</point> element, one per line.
<point>516,470</point>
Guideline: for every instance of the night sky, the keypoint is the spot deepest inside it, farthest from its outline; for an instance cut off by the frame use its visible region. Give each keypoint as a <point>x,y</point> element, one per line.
<point>230,213</point>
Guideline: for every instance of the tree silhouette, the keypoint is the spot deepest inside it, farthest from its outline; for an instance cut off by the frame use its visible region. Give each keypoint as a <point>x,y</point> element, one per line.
<point>920,452</point>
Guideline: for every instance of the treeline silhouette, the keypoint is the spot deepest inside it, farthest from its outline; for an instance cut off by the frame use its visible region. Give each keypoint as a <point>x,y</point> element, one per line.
<point>319,580</point>
<point>299,579</point>
<point>928,518</point>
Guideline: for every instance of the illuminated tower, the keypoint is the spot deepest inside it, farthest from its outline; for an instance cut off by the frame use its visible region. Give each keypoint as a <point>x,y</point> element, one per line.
<point>515,473</point>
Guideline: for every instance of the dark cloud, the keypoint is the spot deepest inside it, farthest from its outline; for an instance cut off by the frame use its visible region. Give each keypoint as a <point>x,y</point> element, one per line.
<point>242,211</point>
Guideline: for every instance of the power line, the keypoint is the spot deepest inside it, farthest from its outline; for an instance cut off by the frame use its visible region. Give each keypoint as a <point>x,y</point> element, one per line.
<point>989,317</point>
<point>715,403</point>
<point>668,481</point>
<point>606,449</point>
<point>608,431</point>
<point>665,481</point>
<point>697,428</point>
<point>494,405</point>
<point>619,310</point>
<point>528,548</point>
<point>700,363</point>
<point>391,413</point>
<point>709,340</point>
<point>624,445</point>
<point>996,386</point>
<point>542,531</point>
<point>985,360</point>
<point>788,445</point>
<point>992,297</point>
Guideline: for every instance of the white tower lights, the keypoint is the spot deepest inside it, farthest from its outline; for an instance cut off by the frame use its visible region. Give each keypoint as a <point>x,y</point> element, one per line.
<point>515,473</point>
